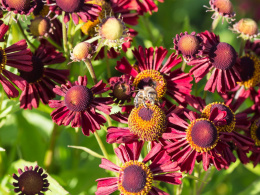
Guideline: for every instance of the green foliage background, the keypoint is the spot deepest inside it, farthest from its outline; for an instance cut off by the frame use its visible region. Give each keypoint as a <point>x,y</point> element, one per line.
<point>26,134</point>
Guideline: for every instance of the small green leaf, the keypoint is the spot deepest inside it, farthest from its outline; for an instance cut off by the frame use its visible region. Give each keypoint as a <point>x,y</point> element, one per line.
<point>91,152</point>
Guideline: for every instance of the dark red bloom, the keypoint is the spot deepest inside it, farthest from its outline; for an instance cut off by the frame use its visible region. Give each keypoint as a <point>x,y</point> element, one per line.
<point>219,57</point>
<point>17,56</point>
<point>79,105</point>
<point>135,176</point>
<point>23,7</point>
<point>149,71</point>
<point>76,9</point>
<point>148,6</point>
<point>3,29</point>
<point>253,47</point>
<point>41,80</point>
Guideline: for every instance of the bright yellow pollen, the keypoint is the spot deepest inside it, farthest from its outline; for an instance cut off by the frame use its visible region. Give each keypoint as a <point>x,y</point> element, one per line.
<point>225,128</point>
<point>147,130</point>
<point>3,59</point>
<point>254,127</point>
<point>255,80</point>
<point>191,142</point>
<point>149,178</point>
<point>157,78</point>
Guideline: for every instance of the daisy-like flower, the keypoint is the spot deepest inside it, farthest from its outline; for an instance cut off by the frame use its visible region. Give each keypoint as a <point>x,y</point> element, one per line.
<point>198,140</point>
<point>76,9</point>
<point>144,123</point>
<point>23,7</point>
<point>246,28</point>
<point>16,56</point>
<point>122,89</point>
<point>151,72</point>
<point>148,6</point>
<point>40,27</point>
<point>189,45</point>
<point>41,80</point>
<point>31,181</point>
<point>79,105</point>
<point>221,8</point>
<point>219,57</point>
<point>137,177</point>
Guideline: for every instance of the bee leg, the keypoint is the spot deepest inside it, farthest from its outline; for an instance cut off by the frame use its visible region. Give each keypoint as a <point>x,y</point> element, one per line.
<point>144,104</point>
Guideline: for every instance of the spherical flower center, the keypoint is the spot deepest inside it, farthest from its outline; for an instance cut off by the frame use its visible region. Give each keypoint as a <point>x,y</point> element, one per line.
<point>40,26</point>
<point>223,6</point>
<point>19,5</point>
<point>78,98</point>
<point>230,116</point>
<point>202,135</point>
<point>82,51</point>
<point>36,74</point>
<point>255,132</point>
<point>3,59</point>
<point>112,29</point>
<point>153,79</point>
<point>250,72</point>
<point>147,123</point>
<point>222,56</point>
<point>247,26</point>
<point>121,91</point>
<point>70,5</point>
<point>30,182</point>
<point>135,178</point>
<point>188,45</point>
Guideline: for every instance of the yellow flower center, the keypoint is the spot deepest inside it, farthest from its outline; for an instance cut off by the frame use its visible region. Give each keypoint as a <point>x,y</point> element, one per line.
<point>3,59</point>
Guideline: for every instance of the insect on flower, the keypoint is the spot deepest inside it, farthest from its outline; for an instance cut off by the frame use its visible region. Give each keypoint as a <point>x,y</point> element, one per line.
<point>146,94</point>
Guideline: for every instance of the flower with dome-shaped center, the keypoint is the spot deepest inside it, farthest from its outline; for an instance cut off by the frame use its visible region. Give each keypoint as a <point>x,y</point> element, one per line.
<point>149,71</point>
<point>16,56</point>
<point>221,59</point>
<point>79,105</point>
<point>76,9</point>
<point>31,181</point>
<point>23,7</point>
<point>138,177</point>
<point>41,80</point>
<point>222,8</point>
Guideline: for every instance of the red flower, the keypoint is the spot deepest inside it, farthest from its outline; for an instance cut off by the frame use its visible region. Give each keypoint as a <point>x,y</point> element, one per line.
<point>149,71</point>
<point>219,56</point>
<point>80,104</point>
<point>148,6</point>
<point>135,176</point>
<point>19,7</point>
<point>41,80</point>
<point>17,56</point>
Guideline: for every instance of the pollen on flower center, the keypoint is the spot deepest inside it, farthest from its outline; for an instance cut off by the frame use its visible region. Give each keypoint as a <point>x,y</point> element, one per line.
<point>230,116</point>
<point>78,98</point>
<point>40,26</point>
<point>255,132</point>
<point>153,79</point>
<point>188,45</point>
<point>202,135</point>
<point>135,178</point>
<point>223,56</point>
<point>148,123</point>
<point>37,72</point>
<point>3,59</point>
<point>70,5</point>
<point>19,4</point>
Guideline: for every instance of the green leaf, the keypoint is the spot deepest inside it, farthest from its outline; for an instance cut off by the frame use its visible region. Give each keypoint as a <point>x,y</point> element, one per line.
<point>252,189</point>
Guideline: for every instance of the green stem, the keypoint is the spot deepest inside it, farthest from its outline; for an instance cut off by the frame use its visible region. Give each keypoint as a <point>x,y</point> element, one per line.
<point>100,44</point>
<point>64,35</point>
<point>215,23</point>
<point>107,63</point>
<point>24,36</point>
<point>204,180</point>
<point>8,31</point>
<point>101,145</point>
<point>92,39</point>
<point>147,26</point>
<point>183,66</point>
<point>48,159</point>
<point>242,46</point>
<point>91,70</point>
<point>54,44</point>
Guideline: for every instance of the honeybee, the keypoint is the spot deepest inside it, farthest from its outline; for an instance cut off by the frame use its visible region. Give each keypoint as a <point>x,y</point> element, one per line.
<point>146,94</point>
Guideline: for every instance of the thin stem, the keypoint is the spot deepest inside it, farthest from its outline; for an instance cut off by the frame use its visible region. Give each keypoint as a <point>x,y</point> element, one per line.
<point>100,45</point>
<point>204,181</point>
<point>92,39</point>
<point>107,63</point>
<point>183,66</point>
<point>179,189</point>
<point>101,145</point>
<point>49,153</point>
<point>215,23</point>
<point>9,29</point>
<point>91,70</point>
<point>24,36</point>
<point>242,46</point>
<point>54,44</point>
<point>64,35</point>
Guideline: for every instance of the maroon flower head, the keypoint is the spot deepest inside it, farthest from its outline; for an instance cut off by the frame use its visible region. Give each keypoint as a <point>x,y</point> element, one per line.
<point>41,80</point>
<point>149,71</point>
<point>31,181</point>
<point>219,57</point>
<point>253,47</point>
<point>16,56</point>
<point>137,177</point>
<point>80,104</point>
<point>23,7</point>
<point>76,9</point>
